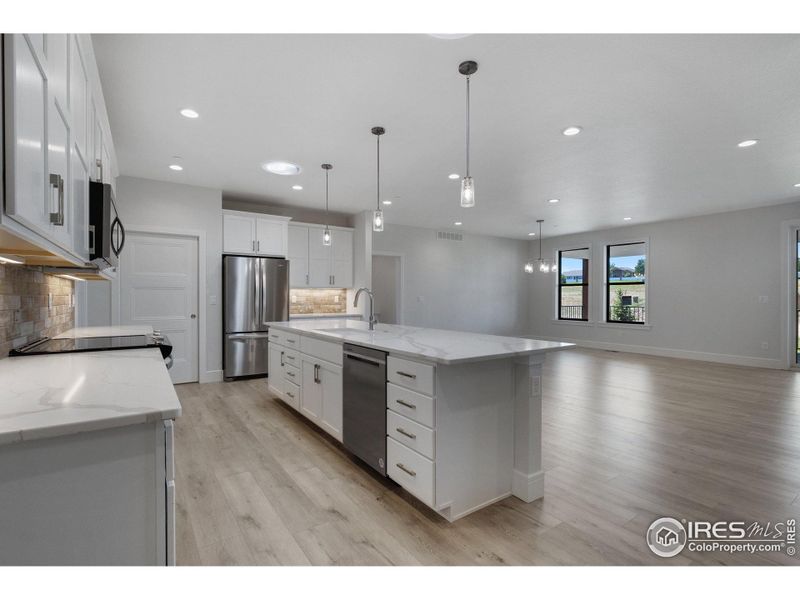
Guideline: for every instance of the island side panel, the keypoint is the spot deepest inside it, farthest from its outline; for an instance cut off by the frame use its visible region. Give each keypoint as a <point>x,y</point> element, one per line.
<point>528,482</point>
<point>474,435</point>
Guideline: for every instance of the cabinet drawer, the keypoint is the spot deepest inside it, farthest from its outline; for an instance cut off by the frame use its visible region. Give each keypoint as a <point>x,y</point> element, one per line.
<point>284,338</point>
<point>291,357</point>
<point>291,374</point>
<point>411,470</point>
<point>291,394</point>
<point>412,375</point>
<point>330,351</point>
<point>410,404</point>
<point>410,433</point>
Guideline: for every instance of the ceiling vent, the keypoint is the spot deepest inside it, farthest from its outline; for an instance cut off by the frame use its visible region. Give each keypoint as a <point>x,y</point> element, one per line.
<point>450,236</point>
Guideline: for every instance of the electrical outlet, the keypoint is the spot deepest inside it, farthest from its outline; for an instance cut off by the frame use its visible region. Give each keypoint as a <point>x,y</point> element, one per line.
<point>421,299</point>
<point>294,298</point>
<point>336,298</point>
<point>212,300</point>
<point>765,345</point>
<point>763,299</point>
<point>49,300</point>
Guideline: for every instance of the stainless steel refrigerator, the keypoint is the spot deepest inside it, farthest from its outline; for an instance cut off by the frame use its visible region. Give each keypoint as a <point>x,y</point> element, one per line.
<point>255,291</point>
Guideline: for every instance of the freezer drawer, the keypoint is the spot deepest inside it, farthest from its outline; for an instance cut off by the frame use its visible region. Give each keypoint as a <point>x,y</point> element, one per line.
<point>246,354</point>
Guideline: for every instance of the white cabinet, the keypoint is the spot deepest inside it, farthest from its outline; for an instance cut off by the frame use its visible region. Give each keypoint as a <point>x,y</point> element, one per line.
<point>316,265</point>
<point>57,56</point>
<point>78,99</point>
<point>252,233</point>
<point>60,198</point>
<point>321,399</point>
<point>275,368</point>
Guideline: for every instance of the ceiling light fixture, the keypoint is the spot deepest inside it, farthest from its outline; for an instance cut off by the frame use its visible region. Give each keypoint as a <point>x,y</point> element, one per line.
<point>747,143</point>
<point>553,201</point>
<point>12,259</point>
<point>326,234</point>
<point>467,68</point>
<point>626,218</point>
<point>297,187</point>
<point>281,167</point>
<point>458,223</point>
<point>544,265</point>
<point>176,167</point>
<point>190,113</point>
<point>572,130</point>
<point>454,176</point>
<point>532,233</point>
<point>797,185</point>
<point>377,215</point>
<point>387,202</point>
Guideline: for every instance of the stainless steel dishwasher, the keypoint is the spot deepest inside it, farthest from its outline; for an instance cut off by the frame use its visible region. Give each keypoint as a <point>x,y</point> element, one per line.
<point>364,425</point>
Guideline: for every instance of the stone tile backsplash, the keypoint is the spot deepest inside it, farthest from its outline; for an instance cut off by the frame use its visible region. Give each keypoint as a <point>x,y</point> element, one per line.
<point>313,301</point>
<point>24,312</point>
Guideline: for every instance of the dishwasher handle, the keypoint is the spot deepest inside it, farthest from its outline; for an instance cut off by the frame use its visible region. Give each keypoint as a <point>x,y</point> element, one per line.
<point>375,362</point>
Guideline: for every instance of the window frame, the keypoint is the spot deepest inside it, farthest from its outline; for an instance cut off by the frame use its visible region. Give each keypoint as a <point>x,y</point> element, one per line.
<point>646,284</point>
<point>587,284</point>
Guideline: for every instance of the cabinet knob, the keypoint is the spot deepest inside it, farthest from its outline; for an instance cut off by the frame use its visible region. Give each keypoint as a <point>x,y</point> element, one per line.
<point>193,316</point>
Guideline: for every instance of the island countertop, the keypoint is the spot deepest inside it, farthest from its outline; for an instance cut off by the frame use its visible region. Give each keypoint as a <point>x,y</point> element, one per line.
<point>435,345</point>
<point>58,394</point>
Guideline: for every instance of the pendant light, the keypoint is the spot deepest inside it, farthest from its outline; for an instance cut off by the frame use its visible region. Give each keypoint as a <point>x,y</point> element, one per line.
<point>544,265</point>
<point>377,216</point>
<point>467,68</point>
<point>326,234</point>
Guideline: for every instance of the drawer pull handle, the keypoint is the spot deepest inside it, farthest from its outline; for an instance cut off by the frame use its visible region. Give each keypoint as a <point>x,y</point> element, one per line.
<point>407,404</point>
<point>290,341</point>
<point>290,374</point>
<point>290,357</point>
<point>290,394</point>
<point>405,433</point>
<point>409,375</point>
<point>402,467</point>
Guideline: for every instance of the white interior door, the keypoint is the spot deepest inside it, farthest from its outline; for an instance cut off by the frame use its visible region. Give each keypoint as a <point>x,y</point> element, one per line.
<point>158,287</point>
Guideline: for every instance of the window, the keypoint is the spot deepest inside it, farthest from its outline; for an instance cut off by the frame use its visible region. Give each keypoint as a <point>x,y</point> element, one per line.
<point>626,266</point>
<point>573,284</point>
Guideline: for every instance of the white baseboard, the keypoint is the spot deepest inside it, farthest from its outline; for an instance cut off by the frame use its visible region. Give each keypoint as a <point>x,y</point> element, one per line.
<point>728,359</point>
<point>527,487</point>
<point>211,376</point>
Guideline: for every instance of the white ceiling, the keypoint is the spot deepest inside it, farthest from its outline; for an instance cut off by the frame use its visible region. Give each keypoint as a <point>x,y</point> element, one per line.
<point>662,115</point>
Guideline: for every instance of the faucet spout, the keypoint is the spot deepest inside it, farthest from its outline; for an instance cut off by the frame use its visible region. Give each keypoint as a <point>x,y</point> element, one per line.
<point>368,292</point>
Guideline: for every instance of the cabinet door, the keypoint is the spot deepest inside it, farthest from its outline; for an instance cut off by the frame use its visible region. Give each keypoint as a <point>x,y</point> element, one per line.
<point>298,256</point>
<point>78,97</point>
<point>58,144</point>
<point>239,234</point>
<point>57,51</point>
<point>275,369</point>
<point>80,203</point>
<point>342,265</point>
<point>271,237</point>
<point>319,260</point>
<point>27,188</point>
<point>311,398</point>
<point>332,407</point>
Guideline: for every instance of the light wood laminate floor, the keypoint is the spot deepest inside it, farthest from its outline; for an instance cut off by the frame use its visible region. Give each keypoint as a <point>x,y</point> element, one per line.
<point>627,438</point>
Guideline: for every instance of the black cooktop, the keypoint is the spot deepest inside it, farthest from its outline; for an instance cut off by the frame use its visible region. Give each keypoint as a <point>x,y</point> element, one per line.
<point>94,344</point>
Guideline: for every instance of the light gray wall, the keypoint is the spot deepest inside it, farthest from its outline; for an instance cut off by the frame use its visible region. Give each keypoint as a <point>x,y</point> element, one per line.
<point>705,278</point>
<point>147,204</point>
<point>474,285</point>
<point>385,283</point>
<point>297,213</point>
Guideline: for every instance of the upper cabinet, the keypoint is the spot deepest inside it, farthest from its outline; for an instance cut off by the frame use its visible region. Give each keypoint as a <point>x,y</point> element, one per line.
<point>254,233</point>
<point>313,264</point>
<point>53,108</point>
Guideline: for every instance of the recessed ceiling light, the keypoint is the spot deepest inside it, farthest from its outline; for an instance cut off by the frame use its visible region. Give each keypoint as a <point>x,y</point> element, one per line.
<point>458,223</point>
<point>553,201</point>
<point>281,167</point>
<point>626,218</point>
<point>453,176</point>
<point>387,202</point>
<point>797,185</point>
<point>572,130</point>
<point>189,113</point>
<point>449,36</point>
<point>532,233</point>
<point>297,187</point>
<point>747,143</point>
<point>176,167</point>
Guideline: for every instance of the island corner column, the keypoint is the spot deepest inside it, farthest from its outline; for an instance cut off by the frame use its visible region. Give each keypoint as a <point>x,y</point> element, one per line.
<point>527,481</point>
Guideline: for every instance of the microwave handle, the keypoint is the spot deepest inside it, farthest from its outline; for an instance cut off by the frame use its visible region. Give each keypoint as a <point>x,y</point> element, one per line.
<point>91,239</point>
<point>114,224</point>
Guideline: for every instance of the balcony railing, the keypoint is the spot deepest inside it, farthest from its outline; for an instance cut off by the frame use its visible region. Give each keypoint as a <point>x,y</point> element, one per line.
<point>572,312</point>
<point>633,314</point>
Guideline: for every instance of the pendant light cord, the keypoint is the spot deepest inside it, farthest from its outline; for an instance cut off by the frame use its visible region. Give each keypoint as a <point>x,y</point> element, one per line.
<point>540,241</point>
<point>467,125</point>
<point>327,216</point>
<point>379,172</point>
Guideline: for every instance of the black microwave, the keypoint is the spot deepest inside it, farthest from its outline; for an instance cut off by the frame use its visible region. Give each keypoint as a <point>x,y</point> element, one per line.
<point>106,233</point>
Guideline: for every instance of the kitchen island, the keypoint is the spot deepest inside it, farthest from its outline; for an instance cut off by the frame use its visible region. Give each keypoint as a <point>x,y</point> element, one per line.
<point>86,458</point>
<point>463,414</point>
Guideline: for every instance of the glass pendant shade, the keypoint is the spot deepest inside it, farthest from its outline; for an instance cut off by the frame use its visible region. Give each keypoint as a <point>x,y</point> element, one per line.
<point>377,220</point>
<point>467,193</point>
<point>544,267</point>
<point>529,267</point>
<point>326,237</point>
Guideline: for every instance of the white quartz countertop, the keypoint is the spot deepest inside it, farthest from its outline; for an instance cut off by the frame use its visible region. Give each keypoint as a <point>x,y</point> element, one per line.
<point>49,395</point>
<point>325,316</point>
<point>84,332</point>
<point>436,345</point>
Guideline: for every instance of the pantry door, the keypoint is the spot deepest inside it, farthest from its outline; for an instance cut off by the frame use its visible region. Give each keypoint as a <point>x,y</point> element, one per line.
<point>158,287</point>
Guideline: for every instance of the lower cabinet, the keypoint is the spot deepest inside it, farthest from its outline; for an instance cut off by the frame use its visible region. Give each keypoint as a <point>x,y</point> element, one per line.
<point>275,369</point>
<point>322,395</point>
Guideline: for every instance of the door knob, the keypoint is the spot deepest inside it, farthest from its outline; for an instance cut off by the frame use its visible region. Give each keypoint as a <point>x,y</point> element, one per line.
<point>194,316</point>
